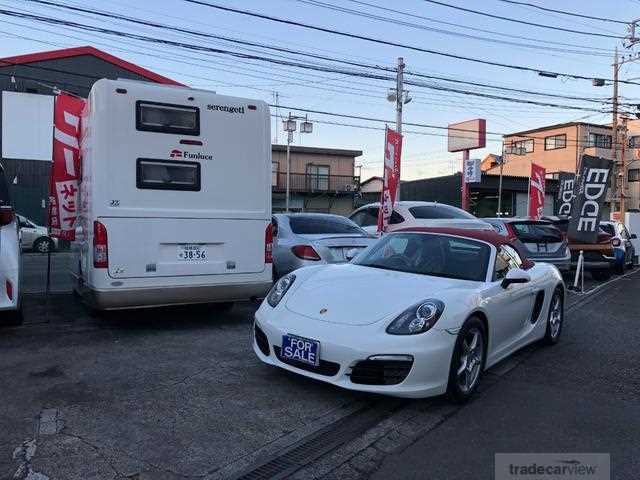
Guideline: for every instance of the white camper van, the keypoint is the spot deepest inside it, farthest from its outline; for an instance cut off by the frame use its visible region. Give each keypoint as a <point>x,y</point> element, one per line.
<point>175,197</point>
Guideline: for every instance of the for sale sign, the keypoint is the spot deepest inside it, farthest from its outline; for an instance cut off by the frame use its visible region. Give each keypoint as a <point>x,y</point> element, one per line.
<point>591,192</point>
<point>65,170</point>
<point>391,178</point>
<point>566,185</point>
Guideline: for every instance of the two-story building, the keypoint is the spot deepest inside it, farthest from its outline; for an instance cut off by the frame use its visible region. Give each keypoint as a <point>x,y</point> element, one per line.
<point>559,148</point>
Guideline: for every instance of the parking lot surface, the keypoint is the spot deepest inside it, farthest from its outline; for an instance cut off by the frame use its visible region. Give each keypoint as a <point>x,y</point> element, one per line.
<point>178,393</point>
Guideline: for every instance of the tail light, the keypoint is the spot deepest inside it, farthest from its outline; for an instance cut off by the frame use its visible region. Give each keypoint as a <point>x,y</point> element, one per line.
<point>100,248</point>
<point>616,242</point>
<point>6,215</point>
<point>9,287</point>
<point>268,244</point>
<point>305,252</point>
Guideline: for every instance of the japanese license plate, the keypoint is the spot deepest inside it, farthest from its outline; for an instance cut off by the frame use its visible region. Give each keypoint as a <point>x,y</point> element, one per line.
<point>191,253</point>
<point>301,349</point>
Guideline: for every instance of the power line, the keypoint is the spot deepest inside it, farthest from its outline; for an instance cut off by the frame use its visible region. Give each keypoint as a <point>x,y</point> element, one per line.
<point>401,45</point>
<point>564,12</point>
<point>524,22</point>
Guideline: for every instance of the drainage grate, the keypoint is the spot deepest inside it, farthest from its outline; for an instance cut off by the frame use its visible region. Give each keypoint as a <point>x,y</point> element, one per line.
<point>321,442</point>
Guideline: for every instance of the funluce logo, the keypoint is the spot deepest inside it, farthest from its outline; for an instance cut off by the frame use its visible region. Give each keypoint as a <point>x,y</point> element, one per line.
<point>226,108</point>
<point>175,153</point>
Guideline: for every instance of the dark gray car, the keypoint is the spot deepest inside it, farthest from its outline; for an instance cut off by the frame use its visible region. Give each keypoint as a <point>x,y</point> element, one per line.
<point>301,239</point>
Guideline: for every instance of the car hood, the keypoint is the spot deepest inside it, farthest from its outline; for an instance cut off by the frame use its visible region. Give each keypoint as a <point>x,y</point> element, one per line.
<point>356,295</point>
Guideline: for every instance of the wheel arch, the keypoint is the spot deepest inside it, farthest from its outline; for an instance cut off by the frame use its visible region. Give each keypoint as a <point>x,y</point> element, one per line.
<point>43,237</point>
<point>485,323</point>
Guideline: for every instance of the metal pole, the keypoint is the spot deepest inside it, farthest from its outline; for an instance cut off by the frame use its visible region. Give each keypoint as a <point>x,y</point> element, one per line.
<point>289,138</point>
<point>399,103</point>
<point>465,185</point>
<point>623,168</point>
<point>499,212</point>
<point>614,126</point>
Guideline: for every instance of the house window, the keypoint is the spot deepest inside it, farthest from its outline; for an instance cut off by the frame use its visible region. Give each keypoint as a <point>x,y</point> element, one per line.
<point>634,142</point>
<point>318,177</point>
<point>525,146</point>
<point>599,140</point>
<point>634,175</point>
<point>555,141</point>
<point>274,173</point>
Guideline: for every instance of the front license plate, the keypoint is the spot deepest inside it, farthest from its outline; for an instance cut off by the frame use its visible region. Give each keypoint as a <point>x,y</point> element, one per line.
<point>301,349</point>
<point>192,253</point>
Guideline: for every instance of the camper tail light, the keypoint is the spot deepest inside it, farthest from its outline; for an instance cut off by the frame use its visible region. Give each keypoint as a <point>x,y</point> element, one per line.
<point>9,288</point>
<point>6,215</point>
<point>268,244</point>
<point>100,249</point>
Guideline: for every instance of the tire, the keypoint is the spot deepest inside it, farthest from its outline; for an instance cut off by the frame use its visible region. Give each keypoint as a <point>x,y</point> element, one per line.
<point>459,389</point>
<point>555,319</point>
<point>43,245</point>
<point>601,275</point>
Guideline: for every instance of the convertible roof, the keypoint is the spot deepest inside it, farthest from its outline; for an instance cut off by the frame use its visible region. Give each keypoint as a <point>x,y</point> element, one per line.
<point>489,236</point>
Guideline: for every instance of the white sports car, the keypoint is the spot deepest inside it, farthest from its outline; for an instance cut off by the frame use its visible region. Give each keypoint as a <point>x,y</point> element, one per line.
<point>422,312</point>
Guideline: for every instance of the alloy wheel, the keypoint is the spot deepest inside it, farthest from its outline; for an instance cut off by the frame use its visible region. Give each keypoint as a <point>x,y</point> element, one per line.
<point>470,364</point>
<point>555,317</point>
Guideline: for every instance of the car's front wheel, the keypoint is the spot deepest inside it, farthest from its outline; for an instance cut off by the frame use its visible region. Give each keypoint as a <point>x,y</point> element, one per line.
<point>42,245</point>
<point>468,360</point>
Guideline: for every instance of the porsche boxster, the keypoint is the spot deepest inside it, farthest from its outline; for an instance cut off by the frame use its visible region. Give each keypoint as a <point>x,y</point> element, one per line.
<point>422,312</point>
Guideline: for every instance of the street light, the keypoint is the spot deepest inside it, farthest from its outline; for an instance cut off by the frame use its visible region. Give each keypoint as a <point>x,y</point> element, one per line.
<point>290,125</point>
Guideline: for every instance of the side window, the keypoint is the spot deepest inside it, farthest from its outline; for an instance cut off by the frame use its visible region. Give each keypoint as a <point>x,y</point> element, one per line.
<point>371,217</point>
<point>395,218</point>
<point>506,259</point>
<point>358,218</point>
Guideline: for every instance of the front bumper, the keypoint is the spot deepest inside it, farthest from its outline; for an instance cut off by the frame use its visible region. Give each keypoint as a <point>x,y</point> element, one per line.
<point>345,347</point>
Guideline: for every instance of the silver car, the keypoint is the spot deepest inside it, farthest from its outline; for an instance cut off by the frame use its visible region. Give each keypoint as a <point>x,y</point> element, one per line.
<point>301,239</point>
<point>35,237</point>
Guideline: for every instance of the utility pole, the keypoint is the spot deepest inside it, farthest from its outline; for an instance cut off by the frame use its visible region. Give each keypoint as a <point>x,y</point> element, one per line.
<point>290,125</point>
<point>400,99</point>
<point>614,135</point>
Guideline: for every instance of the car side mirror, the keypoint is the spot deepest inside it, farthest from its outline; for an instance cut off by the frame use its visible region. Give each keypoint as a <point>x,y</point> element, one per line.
<point>634,236</point>
<point>516,275</point>
<point>350,254</point>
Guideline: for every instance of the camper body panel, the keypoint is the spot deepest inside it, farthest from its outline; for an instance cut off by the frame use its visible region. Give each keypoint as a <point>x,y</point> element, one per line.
<point>185,215</point>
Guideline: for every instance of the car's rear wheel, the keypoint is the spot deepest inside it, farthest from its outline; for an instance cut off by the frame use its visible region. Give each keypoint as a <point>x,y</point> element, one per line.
<point>468,360</point>
<point>555,319</point>
<point>42,245</point>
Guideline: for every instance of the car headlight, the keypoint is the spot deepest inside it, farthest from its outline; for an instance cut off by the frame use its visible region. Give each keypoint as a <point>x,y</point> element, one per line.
<point>417,319</point>
<point>279,289</point>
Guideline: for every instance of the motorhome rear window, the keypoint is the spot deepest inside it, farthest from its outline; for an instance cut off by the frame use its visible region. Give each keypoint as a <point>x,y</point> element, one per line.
<point>167,118</point>
<point>168,175</point>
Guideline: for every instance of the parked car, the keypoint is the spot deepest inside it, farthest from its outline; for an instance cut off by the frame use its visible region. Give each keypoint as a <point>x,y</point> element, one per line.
<point>599,257</point>
<point>35,237</point>
<point>10,264</point>
<point>301,239</point>
<point>422,312</point>
<point>623,249</point>
<point>542,240</point>
<point>417,214</point>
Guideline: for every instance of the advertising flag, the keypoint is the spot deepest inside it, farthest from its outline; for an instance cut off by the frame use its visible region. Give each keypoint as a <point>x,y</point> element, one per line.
<point>64,195</point>
<point>536,191</point>
<point>590,195</point>
<point>566,184</point>
<point>391,177</point>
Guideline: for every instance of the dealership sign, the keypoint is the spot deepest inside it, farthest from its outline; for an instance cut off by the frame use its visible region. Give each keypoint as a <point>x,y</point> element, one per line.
<point>467,135</point>
<point>391,178</point>
<point>566,184</point>
<point>64,195</point>
<point>591,192</point>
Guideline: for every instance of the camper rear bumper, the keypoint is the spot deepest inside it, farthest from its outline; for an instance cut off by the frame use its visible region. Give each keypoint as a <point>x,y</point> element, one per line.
<point>122,298</point>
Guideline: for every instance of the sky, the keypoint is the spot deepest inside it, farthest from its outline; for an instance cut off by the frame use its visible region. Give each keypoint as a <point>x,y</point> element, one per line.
<point>419,23</point>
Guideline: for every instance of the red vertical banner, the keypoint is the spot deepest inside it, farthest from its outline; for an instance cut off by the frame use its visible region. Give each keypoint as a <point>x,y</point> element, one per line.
<point>64,198</point>
<point>536,191</point>
<point>391,177</point>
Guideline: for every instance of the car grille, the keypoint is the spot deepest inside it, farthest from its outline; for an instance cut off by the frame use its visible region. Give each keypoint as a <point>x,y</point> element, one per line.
<point>380,372</point>
<point>261,340</point>
<point>328,369</point>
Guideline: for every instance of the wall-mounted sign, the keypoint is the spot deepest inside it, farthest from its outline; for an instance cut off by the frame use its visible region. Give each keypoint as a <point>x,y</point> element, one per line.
<point>472,171</point>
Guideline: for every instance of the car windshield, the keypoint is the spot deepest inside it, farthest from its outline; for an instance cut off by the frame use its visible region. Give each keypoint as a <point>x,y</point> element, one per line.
<point>323,224</point>
<point>429,254</point>
<point>536,232</point>
<point>439,211</point>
